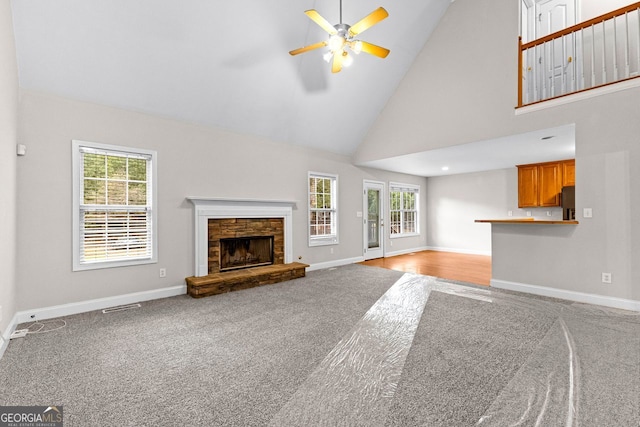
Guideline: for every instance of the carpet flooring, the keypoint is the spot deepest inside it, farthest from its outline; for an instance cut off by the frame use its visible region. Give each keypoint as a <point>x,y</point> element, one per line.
<point>353,345</point>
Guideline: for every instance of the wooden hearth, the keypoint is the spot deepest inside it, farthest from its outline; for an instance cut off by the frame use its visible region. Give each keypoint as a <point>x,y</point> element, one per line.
<point>217,281</point>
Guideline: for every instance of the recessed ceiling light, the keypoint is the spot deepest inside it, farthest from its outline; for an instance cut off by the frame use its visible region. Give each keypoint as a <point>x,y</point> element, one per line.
<point>547,137</point>
<point>445,168</point>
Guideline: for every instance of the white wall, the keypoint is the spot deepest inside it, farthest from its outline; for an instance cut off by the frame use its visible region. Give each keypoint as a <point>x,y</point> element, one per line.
<point>192,161</point>
<point>8,131</point>
<point>463,88</point>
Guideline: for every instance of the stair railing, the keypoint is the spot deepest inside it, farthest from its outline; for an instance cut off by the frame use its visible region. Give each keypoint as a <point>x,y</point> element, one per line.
<point>595,53</point>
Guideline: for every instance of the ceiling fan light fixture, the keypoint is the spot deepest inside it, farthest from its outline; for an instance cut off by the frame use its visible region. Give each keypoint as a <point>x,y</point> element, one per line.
<point>342,36</point>
<point>336,42</point>
<point>356,46</point>
<point>347,59</point>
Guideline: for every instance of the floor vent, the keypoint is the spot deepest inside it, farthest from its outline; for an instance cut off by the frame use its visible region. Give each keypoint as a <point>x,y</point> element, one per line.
<point>121,308</point>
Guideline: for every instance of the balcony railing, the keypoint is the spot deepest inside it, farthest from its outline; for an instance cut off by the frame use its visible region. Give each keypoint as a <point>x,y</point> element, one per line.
<point>592,54</point>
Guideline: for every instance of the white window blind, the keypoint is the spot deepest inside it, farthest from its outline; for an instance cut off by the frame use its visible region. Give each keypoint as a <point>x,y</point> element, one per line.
<point>115,206</point>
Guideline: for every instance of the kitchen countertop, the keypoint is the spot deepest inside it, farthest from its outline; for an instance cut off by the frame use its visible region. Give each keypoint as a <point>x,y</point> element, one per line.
<point>528,220</point>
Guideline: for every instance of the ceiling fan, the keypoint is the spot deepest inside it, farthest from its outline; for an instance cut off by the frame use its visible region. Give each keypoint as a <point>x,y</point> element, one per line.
<point>342,36</point>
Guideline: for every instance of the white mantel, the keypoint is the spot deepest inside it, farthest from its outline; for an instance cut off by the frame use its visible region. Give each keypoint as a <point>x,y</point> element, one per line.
<point>206,208</point>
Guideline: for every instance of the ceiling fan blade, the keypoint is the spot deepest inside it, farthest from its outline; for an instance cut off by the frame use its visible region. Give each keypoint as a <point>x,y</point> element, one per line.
<point>372,49</point>
<point>307,48</point>
<point>336,66</point>
<point>326,25</point>
<point>368,21</point>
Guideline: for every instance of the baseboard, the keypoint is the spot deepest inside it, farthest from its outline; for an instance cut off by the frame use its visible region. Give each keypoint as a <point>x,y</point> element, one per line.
<point>613,302</point>
<point>336,263</point>
<point>405,251</point>
<point>459,251</point>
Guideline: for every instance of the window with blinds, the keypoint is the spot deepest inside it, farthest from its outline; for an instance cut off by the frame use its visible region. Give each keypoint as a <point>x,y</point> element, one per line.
<point>323,209</point>
<point>114,206</point>
<point>403,209</point>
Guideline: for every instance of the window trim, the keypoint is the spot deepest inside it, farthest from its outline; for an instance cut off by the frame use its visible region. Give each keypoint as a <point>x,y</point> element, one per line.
<point>402,187</point>
<point>76,164</point>
<point>324,240</point>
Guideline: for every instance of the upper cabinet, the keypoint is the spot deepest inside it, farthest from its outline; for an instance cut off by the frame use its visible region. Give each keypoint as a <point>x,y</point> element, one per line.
<point>568,173</point>
<point>540,184</point>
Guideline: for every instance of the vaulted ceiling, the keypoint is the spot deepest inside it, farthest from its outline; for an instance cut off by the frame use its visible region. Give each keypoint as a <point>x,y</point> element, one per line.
<point>222,64</point>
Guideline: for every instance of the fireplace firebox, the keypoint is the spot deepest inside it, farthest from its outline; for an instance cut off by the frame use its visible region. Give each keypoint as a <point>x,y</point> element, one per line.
<point>244,252</point>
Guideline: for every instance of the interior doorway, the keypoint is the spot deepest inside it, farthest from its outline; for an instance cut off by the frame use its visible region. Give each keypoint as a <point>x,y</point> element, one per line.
<point>373,207</point>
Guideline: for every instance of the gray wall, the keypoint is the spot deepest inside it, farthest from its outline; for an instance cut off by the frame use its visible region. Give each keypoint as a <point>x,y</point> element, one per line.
<point>192,161</point>
<point>463,88</point>
<point>8,130</point>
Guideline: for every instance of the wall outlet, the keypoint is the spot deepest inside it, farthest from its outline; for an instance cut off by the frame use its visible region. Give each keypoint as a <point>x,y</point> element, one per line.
<point>163,272</point>
<point>548,213</point>
<point>606,277</point>
<point>510,213</point>
<point>528,213</point>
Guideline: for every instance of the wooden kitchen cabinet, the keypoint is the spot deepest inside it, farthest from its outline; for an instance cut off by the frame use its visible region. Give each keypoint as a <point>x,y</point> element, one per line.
<point>568,173</point>
<point>527,186</point>
<point>540,184</point>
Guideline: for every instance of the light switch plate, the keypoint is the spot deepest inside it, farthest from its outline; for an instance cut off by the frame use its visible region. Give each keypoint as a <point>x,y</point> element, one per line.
<point>587,213</point>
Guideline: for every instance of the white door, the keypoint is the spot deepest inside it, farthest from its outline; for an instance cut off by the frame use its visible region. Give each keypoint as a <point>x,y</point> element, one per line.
<point>373,206</point>
<point>557,57</point>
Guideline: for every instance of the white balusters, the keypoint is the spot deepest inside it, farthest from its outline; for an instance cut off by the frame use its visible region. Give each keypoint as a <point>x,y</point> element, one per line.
<point>606,50</point>
<point>593,56</point>
<point>638,40</point>
<point>626,46</point>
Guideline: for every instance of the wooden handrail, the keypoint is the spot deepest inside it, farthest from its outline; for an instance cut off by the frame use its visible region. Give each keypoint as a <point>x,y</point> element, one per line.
<point>580,26</point>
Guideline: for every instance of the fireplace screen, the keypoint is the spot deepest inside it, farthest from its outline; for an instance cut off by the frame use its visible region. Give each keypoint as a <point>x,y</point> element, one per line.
<point>244,252</point>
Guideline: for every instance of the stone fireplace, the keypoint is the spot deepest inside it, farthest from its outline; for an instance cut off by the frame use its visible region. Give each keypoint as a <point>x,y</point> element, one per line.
<point>235,243</point>
<point>241,243</point>
<point>245,252</point>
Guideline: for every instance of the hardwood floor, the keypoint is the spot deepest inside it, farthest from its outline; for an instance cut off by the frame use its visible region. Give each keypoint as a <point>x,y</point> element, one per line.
<point>447,265</point>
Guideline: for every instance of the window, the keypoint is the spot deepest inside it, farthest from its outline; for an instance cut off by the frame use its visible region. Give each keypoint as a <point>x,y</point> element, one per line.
<point>323,209</point>
<point>114,206</point>
<point>403,209</point>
